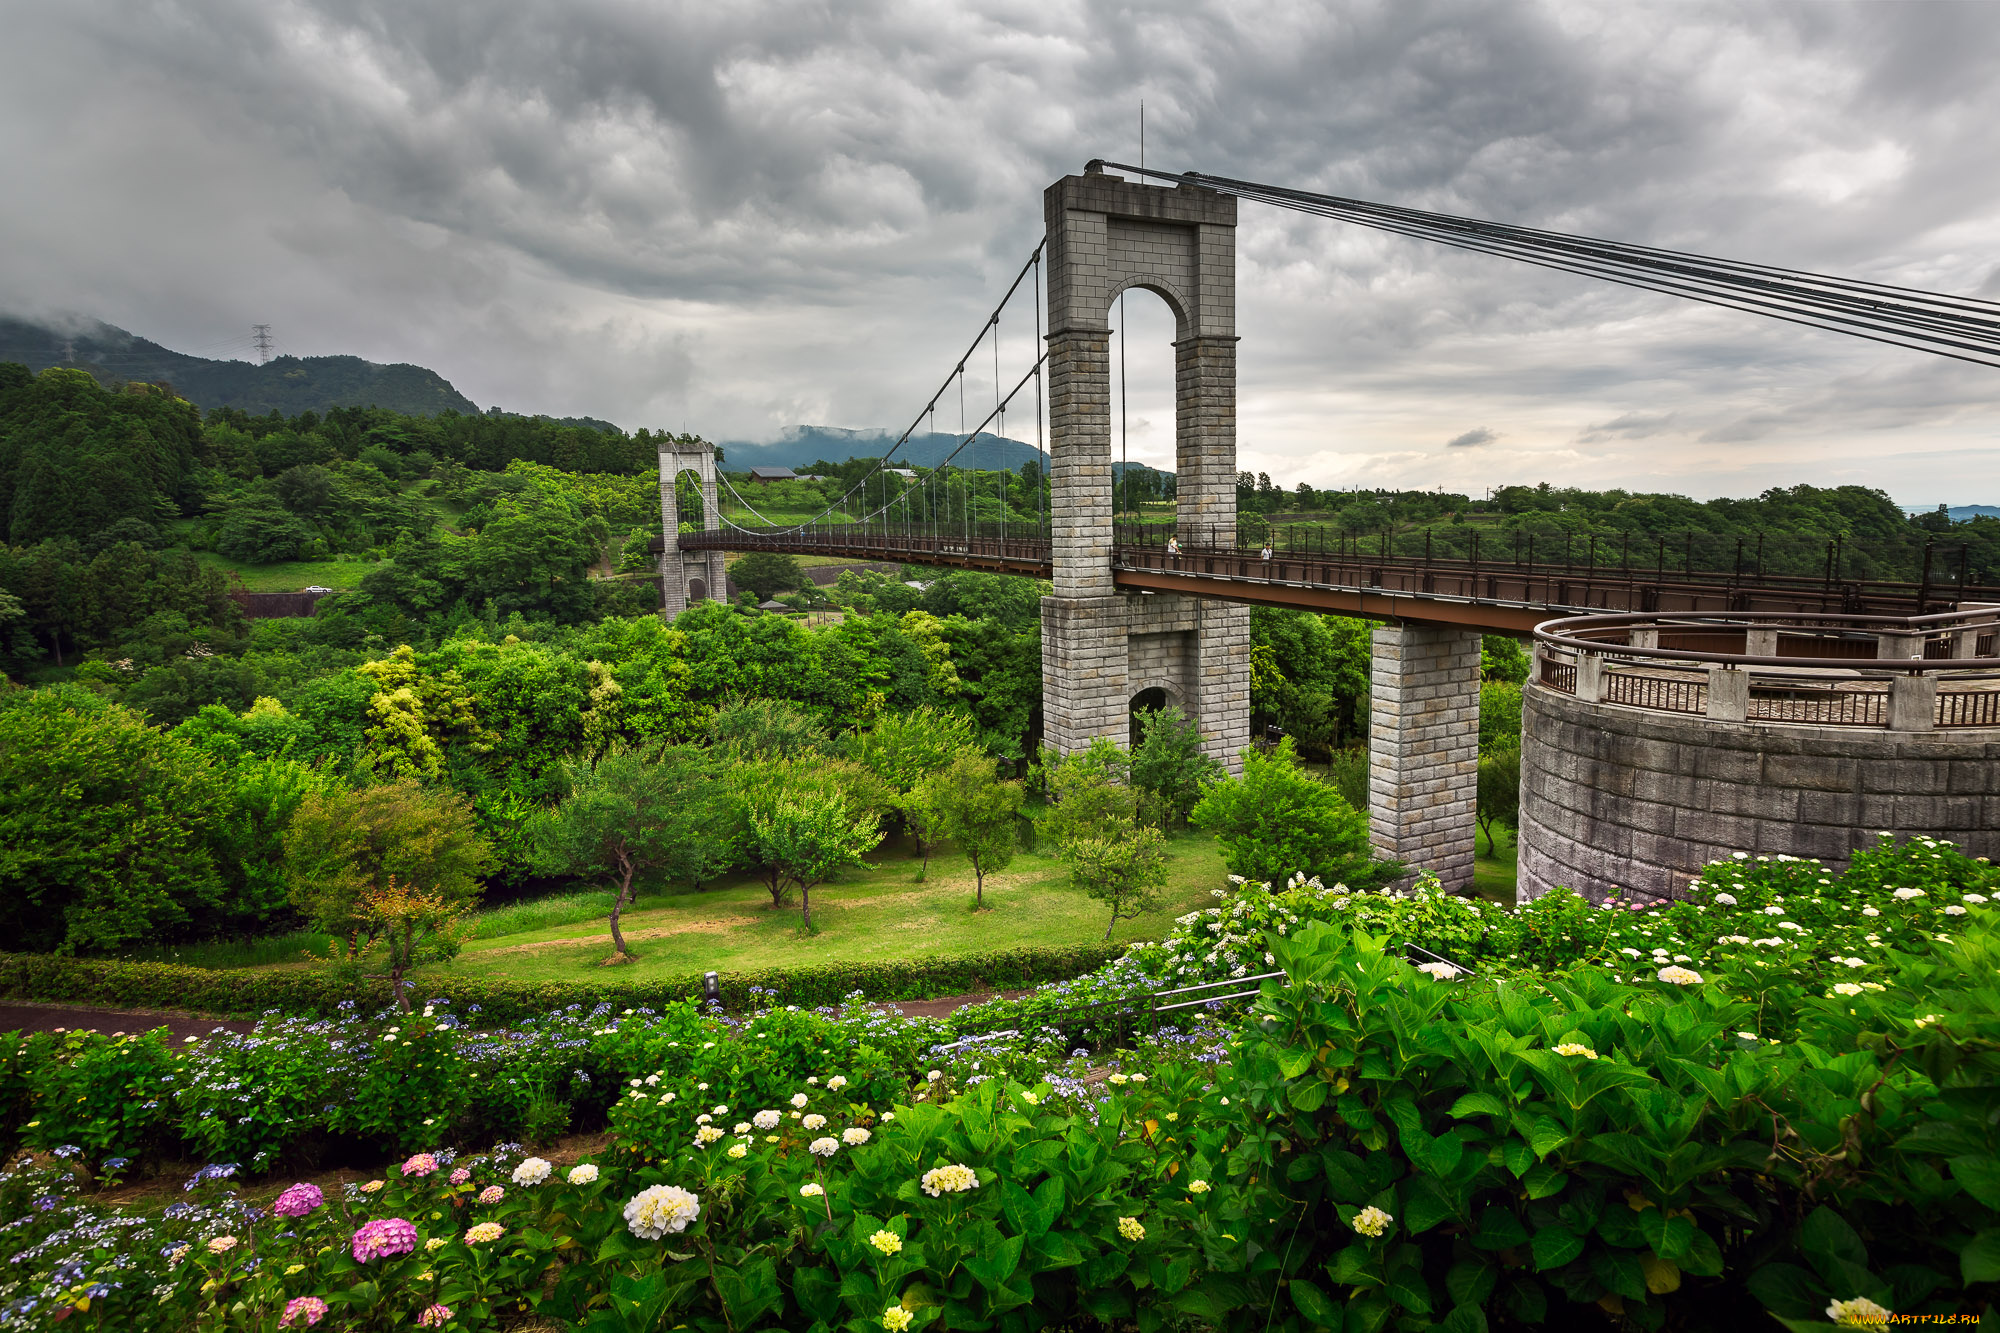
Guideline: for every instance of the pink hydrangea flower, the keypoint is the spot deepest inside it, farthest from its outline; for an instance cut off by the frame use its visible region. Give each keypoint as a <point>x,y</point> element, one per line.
<point>434,1316</point>
<point>423,1164</point>
<point>383,1237</point>
<point>492,1194</point>
<point>302,1312</point>
<point>460,1176</point>
<point>299,1200</point>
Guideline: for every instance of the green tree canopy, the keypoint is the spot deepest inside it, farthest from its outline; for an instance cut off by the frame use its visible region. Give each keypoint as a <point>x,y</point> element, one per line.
<point>767,573</point>
<point>343,843</point>
<point>104,824</point>
<point>1276,821</point>
<point>1168,765</point>
<point>747,728</point>
<point>904,748</point>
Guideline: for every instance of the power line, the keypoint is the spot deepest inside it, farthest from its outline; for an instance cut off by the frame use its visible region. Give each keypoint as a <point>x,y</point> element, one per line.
<point>1963,328</point>
<point>261,335</point>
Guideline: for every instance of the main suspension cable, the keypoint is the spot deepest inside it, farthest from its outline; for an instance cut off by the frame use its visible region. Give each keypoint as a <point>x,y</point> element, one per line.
<point>1964,328</point>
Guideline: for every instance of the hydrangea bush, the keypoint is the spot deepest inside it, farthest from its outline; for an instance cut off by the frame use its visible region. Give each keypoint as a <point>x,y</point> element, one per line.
<point>1669,1113</point>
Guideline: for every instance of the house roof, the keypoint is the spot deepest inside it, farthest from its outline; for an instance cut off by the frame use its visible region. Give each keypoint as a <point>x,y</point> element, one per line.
<point>773,473</point>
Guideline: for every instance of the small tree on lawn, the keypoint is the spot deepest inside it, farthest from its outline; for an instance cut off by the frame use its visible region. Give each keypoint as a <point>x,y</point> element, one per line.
<point>1169,766</point>
<point>626,815</point>
<point>1125,867</point>
<point>981,813</point>
<point>412,924</point>
<point>925,818</point>
<point>1499,790</point>
<point>343,844</point>
<point>1276,820</point>
<point>809,837</point>
<point>1086,790</point>
<point>756,790</point>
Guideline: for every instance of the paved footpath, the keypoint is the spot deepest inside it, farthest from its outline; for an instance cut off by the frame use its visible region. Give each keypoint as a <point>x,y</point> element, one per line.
<point>94,1018</point>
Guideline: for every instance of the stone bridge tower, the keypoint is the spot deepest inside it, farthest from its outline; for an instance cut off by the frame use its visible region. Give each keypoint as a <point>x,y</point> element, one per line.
<point>687,577</point>
<point>1101,647</point>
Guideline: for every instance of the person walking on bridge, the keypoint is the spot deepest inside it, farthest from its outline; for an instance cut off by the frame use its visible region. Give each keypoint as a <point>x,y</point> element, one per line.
<point>1174,546</point>
<point>1267,550</point>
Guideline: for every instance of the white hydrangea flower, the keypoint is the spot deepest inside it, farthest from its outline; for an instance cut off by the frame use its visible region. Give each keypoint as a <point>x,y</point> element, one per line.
<point>812,1189</point>
<point>706,1135</point>
<point>1907,894</point>
<point>854,1136</point>
<point>1859,1311</point>
<point>813,1121</point>
<point>1372,1221</point>
<point>799,1099</point>
<point>1954,910</point>
<point>954,1179</point>
<point>765,1119</point>
<point>654,1212</point>
<point>836,1083</point>
<point>532,1171</point>
<point>1679,976</point>
<point>824,1147</point>
<point>585,1174</point>
<point>1846,988</point>
<point>1440,971</point>
<point>1726,899</point>
<point>1576,1048</point>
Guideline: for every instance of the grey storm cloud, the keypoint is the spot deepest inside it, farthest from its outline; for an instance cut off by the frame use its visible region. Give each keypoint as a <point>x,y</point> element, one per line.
<point>1476,436</point>
<point>734,218</point>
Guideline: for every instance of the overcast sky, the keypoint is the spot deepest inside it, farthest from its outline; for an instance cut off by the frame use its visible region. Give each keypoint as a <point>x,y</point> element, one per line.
<point>734,217</point>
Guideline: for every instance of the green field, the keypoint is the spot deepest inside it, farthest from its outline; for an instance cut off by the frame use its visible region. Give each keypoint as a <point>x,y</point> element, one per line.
<point>882,912</point>
<point>878,913</point>
<point>291,575</point>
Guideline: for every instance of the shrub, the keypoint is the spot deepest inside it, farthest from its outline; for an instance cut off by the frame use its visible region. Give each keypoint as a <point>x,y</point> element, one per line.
<point>1276,821</point>
<point>320,994</point>
<point>1501,1150</point>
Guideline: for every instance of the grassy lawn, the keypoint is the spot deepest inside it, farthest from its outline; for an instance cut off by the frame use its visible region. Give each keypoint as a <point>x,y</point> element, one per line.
<point>291,575</point>
<point>878,913</point>
<point>1493,876</point>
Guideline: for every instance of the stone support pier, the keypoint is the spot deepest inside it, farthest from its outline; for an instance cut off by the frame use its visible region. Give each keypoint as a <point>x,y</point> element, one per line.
<point>1423,749</point>
<point>687,577</point>
<point>1101,647</point>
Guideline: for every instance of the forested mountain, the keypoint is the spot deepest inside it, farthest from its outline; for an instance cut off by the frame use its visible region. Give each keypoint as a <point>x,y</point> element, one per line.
<point>285,384</point>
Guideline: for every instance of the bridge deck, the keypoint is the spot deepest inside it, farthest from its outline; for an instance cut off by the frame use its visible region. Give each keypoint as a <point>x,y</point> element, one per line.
<point>1503,596</point>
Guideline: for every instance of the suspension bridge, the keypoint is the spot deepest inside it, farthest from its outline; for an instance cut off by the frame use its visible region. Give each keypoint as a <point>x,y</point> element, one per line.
<point>1139,608</point>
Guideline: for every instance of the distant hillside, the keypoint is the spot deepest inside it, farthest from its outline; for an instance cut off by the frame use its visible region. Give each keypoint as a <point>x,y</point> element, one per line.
<point>1957,513</point>
<point>288,384</point>
<point>807,444</point>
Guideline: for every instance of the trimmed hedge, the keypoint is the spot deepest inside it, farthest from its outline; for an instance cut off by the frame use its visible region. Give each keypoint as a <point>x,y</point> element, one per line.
<point>314,993</point>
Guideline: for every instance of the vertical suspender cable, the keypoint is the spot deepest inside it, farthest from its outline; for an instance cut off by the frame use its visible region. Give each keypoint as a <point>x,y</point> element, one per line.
<point>1000,410</point>
<point>1047,485</point>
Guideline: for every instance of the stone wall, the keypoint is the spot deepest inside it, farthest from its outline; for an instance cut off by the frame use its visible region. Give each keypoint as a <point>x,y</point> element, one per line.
<point>1616,797</point>
<point>1423,748</point>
